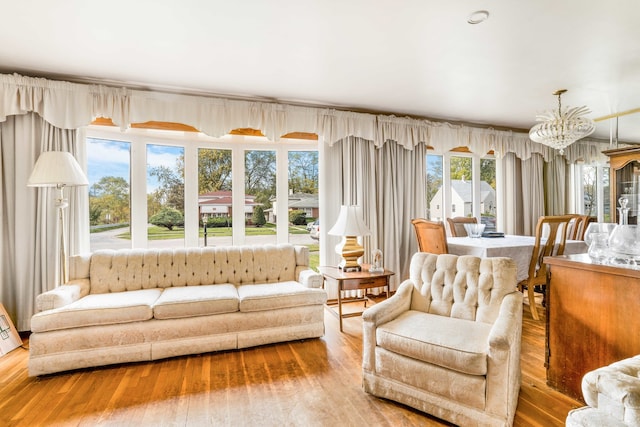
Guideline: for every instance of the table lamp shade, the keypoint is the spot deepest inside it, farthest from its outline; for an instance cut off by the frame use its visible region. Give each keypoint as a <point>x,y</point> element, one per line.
<point>57,169</point>
<point>350,223</point>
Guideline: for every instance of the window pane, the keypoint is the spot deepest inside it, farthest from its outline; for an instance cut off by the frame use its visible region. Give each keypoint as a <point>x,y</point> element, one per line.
<point>259,195</point>
<point>461,186</point>
<point>589,190</point>
<point>434,188</point>
<point>303,202</point>
<point>165,196</point>
<point>109,165</point>
<point>215,197</point>
<point>488,211</point>
<point>606,187</point>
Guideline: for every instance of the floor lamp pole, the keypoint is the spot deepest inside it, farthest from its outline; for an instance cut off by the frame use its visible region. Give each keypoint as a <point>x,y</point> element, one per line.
<point>61,204</point>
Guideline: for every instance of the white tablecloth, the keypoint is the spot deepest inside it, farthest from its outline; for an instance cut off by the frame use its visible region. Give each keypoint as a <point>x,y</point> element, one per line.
<point>518,248</point>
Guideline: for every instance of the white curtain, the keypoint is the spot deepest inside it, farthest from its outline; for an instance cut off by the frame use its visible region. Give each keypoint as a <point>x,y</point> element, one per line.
<point>389,184</point>
<point>512,195</point>
<point>524,195</point>
<point>532,193</point>
<point>555,183</point>
<point>29,263</point>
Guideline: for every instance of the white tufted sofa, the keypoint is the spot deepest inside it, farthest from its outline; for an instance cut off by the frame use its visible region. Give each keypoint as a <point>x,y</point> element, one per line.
<point>148,304</point>
<point>448,342</point>
<point>612,394</point>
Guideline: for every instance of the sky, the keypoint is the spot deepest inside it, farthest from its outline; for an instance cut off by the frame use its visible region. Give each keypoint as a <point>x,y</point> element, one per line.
<point>112,158</point>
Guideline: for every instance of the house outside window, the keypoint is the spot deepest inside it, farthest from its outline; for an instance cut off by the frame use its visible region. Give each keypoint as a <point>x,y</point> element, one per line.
<point>468,184</point>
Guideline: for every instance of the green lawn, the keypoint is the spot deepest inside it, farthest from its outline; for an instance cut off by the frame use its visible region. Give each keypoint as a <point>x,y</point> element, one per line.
<point>162,233</point>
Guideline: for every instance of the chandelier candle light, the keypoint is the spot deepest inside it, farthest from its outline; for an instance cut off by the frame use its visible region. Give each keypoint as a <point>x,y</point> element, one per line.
<point>559,129</point>
<point>350,225</point>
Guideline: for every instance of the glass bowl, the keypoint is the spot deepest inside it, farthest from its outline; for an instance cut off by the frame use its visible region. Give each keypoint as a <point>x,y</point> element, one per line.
<point>596,228</point>
<point>474,230</point>
<point>625,240</point>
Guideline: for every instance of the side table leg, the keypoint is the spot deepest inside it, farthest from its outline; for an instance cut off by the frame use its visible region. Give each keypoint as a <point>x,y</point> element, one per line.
<point>340,303</point>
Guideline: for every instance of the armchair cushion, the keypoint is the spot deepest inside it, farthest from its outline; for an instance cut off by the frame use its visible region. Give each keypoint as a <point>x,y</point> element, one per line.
<point>452,343</point>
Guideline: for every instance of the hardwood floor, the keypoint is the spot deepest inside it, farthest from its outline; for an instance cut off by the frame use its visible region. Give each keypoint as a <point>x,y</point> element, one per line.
<point>304,383</point>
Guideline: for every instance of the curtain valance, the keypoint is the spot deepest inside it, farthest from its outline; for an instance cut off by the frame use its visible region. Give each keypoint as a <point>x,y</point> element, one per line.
<point>73,105</point>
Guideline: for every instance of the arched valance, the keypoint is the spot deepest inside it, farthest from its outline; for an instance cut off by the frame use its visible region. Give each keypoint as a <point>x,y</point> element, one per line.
<point>73,105</point>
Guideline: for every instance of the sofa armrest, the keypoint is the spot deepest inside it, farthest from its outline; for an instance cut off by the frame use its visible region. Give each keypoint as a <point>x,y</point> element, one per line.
<point>311,279</point>
<point>63,295</point>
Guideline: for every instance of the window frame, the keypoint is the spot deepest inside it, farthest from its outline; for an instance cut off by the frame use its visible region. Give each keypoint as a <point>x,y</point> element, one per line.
<point>191,142</point>
<point>447,201</point>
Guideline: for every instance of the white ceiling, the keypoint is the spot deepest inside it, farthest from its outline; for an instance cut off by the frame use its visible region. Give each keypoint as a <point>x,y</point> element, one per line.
<point>406,57</point>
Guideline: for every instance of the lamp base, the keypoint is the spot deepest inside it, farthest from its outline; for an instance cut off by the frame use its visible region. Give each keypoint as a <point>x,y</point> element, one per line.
<point>350,250</point>
<point>353,269</point>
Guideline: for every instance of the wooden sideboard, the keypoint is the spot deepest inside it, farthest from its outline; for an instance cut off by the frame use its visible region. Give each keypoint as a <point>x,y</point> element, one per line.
<point>593,319</point>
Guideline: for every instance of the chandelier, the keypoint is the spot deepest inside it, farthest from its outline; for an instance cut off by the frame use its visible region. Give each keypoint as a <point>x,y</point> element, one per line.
<point>559,129</point>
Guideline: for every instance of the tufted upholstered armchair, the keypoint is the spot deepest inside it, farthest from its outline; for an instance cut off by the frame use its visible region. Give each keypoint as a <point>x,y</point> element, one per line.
<point>448,342</point>
<point>612,394</point>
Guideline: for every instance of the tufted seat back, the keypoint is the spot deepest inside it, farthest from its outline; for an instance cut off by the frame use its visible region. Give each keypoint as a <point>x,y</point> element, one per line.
<point>134,269</point>
<point>464,287</point>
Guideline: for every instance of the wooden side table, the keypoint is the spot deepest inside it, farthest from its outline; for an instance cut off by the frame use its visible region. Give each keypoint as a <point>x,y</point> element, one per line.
<point>354,281</point>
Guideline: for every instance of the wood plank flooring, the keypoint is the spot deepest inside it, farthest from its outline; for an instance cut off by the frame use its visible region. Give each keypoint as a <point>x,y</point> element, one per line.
<point>314,382</point>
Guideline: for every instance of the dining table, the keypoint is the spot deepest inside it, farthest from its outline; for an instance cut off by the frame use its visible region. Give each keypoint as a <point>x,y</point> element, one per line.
<point>518,248</point>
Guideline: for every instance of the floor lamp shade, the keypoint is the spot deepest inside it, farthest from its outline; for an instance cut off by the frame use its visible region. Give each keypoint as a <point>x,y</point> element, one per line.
<point>350,225</point>
<point>58,169</point>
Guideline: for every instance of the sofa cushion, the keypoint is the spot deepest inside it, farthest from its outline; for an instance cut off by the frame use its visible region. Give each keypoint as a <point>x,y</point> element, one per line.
<point>270,296</point>
<point>190,301</point>
<point>452,343</point>
<point>99,309</point>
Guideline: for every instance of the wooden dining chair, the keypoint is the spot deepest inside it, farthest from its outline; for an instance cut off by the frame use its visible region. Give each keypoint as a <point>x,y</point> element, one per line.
<point>431,235</point>
<point>551,238</point>
<point>580,226</point>
<point>456,225</point>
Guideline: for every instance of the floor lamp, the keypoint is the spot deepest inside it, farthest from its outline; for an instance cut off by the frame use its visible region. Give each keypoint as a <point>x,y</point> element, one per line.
<point>58,169</point>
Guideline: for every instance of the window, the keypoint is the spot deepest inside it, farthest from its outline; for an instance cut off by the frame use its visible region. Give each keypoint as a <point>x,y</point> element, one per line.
<point>461,185</point>
<point>488,193</point>
<point>434,188</point>
<point>592,192</point>
<point>168,185</point>
<point>108,171</point>
<point>165,195</point>
<point>303,200</point>
<point>215,197</point>
<point>468,186</point>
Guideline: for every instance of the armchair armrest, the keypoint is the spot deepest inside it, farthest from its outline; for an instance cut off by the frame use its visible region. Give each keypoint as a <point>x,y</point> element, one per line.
<point>508,326</point>
<point>615,389</point>
<point>381,313</point>
<point>63,295</point>
<point>311,279</point>
<point>503,362</point>
<point>390,308</point>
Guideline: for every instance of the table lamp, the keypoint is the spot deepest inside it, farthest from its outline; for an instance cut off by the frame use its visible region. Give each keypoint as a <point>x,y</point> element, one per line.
<point>350,226</point>
<point>58,169</point>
